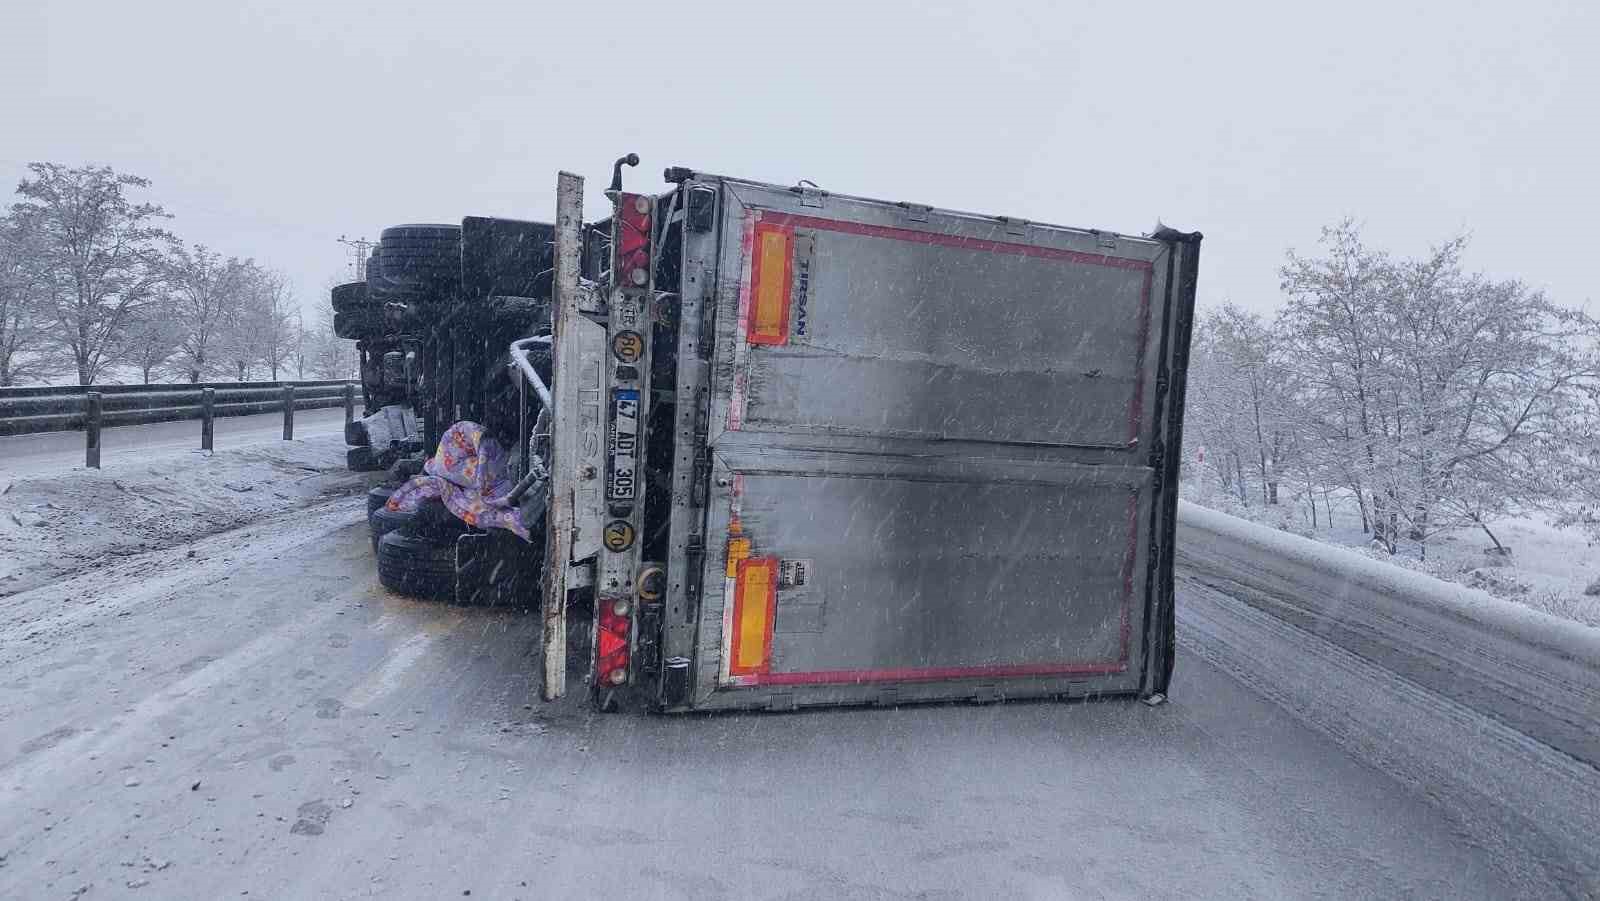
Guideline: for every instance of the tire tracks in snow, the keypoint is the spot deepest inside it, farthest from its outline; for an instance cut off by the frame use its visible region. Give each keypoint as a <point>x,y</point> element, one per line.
<point>1532,808</point>
<point>1533,690</point>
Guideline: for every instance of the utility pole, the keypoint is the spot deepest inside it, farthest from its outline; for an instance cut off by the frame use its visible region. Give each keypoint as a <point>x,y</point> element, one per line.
<point>360,248</point>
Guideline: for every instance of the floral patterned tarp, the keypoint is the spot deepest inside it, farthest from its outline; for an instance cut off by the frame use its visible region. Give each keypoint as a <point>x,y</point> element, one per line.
<point>469,474</point>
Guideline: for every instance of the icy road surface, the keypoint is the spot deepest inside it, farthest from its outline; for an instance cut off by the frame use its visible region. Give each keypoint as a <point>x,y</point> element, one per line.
<point>251,713</point>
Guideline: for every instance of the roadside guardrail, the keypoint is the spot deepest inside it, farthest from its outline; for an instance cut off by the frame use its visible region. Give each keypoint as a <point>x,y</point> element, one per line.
<point>91,408</point>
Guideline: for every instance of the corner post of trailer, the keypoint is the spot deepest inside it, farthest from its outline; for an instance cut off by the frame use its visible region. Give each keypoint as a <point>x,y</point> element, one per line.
<point>564,475</point>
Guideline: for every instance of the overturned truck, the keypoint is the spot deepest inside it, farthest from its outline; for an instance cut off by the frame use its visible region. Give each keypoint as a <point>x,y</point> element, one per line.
<point>777,447</point>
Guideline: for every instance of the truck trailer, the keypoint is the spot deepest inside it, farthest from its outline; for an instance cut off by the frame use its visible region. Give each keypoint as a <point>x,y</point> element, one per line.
<point>780,447</point>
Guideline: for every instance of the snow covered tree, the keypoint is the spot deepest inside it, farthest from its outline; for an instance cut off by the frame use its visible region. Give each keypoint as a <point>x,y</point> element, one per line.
<point>326,355</point>
<point>1503,400</point>
<point>152,336</point>
<point>1439,398</point>
<point>268,331</point>
<point>1336,325</point>
<point>1243,405</point>
<point>207,292</point>
<point>95,256</point>
<point>21,329</point>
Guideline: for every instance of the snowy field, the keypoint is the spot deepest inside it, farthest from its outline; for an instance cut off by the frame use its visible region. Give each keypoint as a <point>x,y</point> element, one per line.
<point>1550,568</point>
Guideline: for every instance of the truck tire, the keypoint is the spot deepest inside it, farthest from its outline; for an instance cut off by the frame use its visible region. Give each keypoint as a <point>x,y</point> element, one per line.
<point>405,468</point>
<point>377,497</point>
<point>377,287</point>
<point>417,567</point>
<point>381,521</point>
<point>350,297</point>
<point>364,459</point>
<point>358,324</point>
<point>435,522</point>
<point>421,262</point>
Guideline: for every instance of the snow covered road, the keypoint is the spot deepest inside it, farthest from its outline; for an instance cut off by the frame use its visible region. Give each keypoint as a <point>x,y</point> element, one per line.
<point>1490,710</point>
<point>250,713</point>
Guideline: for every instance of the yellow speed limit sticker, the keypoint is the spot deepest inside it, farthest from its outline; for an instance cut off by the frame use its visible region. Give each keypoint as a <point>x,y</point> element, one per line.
<point>618,536</point>
<point>628,346</point>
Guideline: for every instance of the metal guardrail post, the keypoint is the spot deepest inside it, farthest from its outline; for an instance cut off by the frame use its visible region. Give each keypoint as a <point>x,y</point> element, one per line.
<point>349,403</point>
<point>91,430</point>
<point>288,412</point>
<point>30,410</point>
<point>208,405</point>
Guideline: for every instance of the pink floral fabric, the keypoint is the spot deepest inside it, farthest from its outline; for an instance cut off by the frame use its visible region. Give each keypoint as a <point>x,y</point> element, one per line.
<point>468,472</point>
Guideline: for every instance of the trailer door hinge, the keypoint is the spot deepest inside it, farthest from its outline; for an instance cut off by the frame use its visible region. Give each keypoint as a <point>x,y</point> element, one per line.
<point>1013,226</point>
<point>702,418</point>
<point>708,318</point>
<point>810,195</point>
<point>700,486</point>
<point>915,212</point>
<point>694,560</point>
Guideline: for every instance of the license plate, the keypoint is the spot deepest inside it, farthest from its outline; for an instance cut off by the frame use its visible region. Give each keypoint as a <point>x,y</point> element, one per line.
<point>623,484</point>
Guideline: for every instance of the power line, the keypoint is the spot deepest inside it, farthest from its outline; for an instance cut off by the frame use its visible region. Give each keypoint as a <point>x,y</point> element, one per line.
<point>359,251</point>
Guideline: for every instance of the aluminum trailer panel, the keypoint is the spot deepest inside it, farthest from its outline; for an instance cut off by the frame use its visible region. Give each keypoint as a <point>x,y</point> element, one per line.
<point>935,455</point>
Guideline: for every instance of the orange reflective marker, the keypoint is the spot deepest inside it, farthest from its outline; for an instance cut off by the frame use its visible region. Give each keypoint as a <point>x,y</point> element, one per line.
<point>755,601</point>
<point>771,272</point>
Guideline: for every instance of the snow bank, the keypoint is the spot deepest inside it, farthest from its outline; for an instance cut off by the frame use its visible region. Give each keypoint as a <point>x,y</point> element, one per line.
<point>1570,639</point>
<point>54,524</point>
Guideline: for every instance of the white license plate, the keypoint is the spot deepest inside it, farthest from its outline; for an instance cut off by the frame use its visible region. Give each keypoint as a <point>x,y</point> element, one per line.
<point>623,484</point>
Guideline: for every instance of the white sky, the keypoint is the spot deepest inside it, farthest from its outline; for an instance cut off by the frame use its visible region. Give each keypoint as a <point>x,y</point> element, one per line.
<point>269,131</point>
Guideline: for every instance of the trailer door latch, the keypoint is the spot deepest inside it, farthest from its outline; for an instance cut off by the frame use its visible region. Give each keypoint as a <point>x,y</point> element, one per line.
<point>694,558</point>
<point>702,478</point>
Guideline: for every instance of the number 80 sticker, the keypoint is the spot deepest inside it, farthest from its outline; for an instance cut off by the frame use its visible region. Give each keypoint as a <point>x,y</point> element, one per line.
<point>628,346</point>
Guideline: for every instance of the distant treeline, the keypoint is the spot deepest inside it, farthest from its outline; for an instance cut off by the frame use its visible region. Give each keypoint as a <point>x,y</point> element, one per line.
<point>92,282</point>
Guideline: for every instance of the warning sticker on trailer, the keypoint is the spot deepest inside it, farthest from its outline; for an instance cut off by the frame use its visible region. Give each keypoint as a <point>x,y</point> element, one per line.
<point>800,607</point>
<point>794,573</point>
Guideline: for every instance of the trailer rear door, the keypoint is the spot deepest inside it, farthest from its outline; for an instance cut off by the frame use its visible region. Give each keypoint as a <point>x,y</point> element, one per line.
<point>937,449</point>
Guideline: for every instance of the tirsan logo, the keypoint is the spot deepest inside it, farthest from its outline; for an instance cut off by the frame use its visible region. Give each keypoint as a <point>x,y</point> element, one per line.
<point>802,283</point>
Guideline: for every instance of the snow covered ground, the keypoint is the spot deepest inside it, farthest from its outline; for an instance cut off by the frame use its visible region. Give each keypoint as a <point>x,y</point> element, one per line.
<point>1550,568</point>
<point>204,693</point>
<point>56,520</point>
<point>251,715</point>
<point>1349,569</point>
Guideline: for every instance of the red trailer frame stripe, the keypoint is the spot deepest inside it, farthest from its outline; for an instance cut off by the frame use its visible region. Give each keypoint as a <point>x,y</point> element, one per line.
<point>933,673</point>
<point>795,220</point>
<point>787,222</point>
<point>765,676</point>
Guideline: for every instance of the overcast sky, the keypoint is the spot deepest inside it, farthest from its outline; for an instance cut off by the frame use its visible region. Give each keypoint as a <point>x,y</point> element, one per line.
<point>270,132</point>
